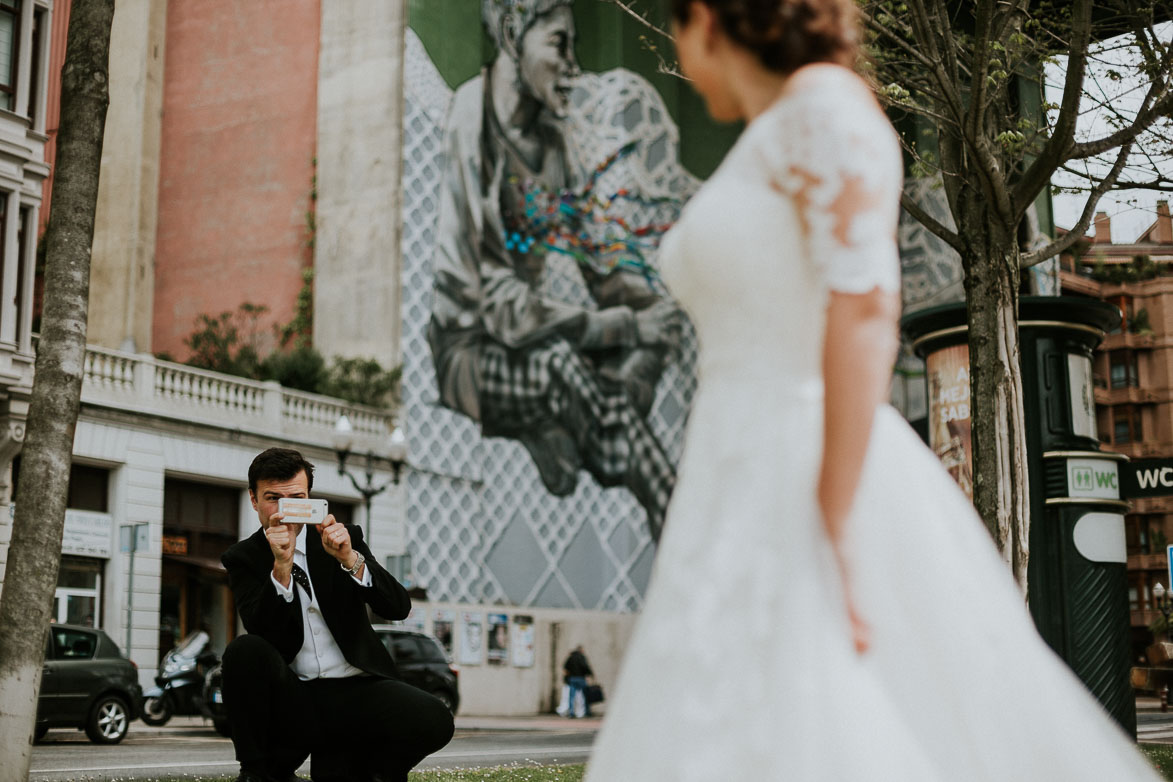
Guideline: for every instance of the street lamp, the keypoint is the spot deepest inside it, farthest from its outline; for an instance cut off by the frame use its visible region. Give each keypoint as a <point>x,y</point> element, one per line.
<point>395,459</point>
<point>1163,603</point>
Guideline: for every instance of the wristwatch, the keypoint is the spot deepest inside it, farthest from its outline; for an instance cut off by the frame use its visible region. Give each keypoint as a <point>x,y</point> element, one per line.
<point>357,564</point>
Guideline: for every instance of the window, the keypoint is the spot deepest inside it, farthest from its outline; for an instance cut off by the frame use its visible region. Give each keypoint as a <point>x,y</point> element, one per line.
<point>404,648</point>
<point>9,50</point>
<point>89,487</point>
<point>73,644</point>
<point>1124,372</point>
<point>188,505</point>
<point>1126,426</point>
<point>1125,305</point>
<point>77,599</point>
<point>39,31</point>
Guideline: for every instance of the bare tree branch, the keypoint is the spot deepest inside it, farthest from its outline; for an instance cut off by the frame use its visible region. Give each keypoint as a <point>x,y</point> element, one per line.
<point>951,238</point>
<point>1085,219</point>
<point>1038,174</point>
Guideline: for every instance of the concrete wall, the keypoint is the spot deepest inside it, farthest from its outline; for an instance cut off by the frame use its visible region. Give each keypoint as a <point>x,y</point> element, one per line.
<point>505,690</point>
<point>122,275</point>
<point>236,169</point>
<point>356,251</point>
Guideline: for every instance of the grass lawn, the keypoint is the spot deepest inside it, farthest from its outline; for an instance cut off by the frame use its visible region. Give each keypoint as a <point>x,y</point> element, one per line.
<point>514,773</point>
<point>1161,756</point>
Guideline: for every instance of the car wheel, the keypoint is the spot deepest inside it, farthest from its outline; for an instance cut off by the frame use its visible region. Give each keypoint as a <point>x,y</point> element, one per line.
<point>156,711</point>
<point>223,728</point>
<point>446,698</point>
<point>109,720</point>
<point>40,732</point>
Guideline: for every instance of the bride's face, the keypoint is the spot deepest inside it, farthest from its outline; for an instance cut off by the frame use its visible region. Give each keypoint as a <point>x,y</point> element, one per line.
<point>700,43</point>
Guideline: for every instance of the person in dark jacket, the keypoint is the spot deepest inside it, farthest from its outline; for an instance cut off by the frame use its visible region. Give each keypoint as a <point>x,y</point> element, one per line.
<point>575,672</point>
<point>311,677</point>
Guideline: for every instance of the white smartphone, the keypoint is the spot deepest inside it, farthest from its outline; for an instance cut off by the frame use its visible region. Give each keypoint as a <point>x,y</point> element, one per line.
<point>302,510</point>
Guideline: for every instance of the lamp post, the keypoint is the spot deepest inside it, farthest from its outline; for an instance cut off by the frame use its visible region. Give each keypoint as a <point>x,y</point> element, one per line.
<point>395,459</point>
<point>1161,599</point>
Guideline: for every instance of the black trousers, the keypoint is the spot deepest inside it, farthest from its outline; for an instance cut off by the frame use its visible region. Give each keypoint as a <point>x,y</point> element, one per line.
<point>355,729</point>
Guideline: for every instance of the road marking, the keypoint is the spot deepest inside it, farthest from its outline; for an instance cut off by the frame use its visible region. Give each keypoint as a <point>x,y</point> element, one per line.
<point>129,768</point>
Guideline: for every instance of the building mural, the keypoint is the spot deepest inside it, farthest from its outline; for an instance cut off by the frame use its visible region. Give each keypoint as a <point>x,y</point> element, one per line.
<point>547,373</point>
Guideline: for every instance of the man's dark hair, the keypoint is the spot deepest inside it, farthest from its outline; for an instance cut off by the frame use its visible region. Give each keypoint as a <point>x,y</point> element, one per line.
<point>278,464</point>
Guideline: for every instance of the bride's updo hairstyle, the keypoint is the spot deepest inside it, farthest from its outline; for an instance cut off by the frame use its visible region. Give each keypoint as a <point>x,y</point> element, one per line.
<point>786,34</point>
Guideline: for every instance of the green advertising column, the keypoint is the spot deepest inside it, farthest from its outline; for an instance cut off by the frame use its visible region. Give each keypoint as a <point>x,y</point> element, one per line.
<point>1078,559</point>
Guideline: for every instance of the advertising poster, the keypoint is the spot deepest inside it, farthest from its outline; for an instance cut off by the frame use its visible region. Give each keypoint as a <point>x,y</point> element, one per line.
<point>950,424</point>
<point>415,621</point>
<point>523,641</point>
<point>443,621</point>
<point>498,639</point>
<point>1083,399</point>
<point>472,638</point>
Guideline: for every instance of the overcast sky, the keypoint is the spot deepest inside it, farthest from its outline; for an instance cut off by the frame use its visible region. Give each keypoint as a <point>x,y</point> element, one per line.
<point>1131,211</point>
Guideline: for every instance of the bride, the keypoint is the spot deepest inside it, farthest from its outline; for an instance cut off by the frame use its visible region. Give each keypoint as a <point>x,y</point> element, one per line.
<point>826,605</point>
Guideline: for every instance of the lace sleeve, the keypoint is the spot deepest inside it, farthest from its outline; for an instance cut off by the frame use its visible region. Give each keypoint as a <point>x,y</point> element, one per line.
<point>834,153</point>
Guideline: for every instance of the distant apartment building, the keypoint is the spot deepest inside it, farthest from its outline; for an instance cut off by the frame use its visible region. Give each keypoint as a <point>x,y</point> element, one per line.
<point>1134,381</point>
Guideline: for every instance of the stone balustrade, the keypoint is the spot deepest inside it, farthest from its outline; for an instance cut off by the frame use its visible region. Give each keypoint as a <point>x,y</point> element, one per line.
<point>145,385</point>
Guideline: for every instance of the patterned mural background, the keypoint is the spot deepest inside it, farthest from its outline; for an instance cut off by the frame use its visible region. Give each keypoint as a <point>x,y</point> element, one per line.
<point>481,526</point>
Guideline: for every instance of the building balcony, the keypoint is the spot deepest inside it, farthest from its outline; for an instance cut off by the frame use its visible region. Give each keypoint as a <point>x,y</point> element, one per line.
<point>1130,395</point>
<point>1144,618</point>
<point>1147,562</point>
<point>143,385</point>
<point>1148,449</point>
<point>1152,505</point>
<point>1129,340</point>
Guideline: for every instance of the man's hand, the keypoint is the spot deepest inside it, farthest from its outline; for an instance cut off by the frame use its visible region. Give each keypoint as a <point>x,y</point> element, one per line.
<point>659,324</point>
<point>282,540</point>
<point>336,541</point>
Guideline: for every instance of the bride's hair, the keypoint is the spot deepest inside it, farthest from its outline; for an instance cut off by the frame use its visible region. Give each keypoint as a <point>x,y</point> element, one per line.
<point>786,34</point>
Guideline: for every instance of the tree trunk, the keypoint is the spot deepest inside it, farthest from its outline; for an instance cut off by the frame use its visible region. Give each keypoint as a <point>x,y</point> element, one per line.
<point>35,551</point>
<point>1000,481</point>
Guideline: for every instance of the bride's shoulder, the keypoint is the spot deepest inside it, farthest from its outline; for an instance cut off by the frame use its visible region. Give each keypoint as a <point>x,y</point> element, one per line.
<point>826,105</point>
<point>820,89</point>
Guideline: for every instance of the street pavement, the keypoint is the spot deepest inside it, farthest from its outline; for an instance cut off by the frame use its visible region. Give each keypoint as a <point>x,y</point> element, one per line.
<point>188,748</point>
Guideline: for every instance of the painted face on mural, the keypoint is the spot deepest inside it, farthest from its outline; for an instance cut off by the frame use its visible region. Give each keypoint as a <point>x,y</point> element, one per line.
<point>546,62</point>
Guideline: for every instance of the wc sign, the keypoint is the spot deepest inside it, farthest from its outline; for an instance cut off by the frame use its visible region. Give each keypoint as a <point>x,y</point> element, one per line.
<point>1094,478</point>
<point>1147,478</point>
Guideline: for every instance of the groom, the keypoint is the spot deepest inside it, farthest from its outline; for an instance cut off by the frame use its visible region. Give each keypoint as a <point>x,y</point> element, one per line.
<point>311,675</point>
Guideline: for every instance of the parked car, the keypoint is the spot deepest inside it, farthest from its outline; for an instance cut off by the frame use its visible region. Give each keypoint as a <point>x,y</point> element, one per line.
<point>87,684</point>
<point>422,663</point>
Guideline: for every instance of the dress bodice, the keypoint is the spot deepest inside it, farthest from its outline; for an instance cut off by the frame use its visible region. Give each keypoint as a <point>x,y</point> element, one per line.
<point>805,202</point>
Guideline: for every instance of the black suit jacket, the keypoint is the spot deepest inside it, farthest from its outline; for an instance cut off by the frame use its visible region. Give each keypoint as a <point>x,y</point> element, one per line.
<point>342,599</point>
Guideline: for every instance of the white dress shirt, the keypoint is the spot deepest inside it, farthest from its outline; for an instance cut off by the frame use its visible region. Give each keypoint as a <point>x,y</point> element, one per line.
<point>319,657</point>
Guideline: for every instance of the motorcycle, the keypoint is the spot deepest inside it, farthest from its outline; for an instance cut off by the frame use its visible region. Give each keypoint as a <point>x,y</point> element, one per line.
<point>182,683</point>
<point>214,702</point>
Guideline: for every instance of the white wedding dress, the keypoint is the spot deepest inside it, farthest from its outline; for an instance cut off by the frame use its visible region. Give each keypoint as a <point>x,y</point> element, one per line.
<point>741,666</point>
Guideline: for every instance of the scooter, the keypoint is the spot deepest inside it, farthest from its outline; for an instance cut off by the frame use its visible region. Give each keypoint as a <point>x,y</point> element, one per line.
<point>181,682</point>
<point>214,702</point>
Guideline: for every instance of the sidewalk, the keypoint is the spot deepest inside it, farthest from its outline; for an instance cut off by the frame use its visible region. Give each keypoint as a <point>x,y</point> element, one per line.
<point>548,723</point>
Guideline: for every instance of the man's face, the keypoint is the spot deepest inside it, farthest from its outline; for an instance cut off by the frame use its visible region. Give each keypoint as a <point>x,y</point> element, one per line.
<point>546,60</point>
<point>268,492</point>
